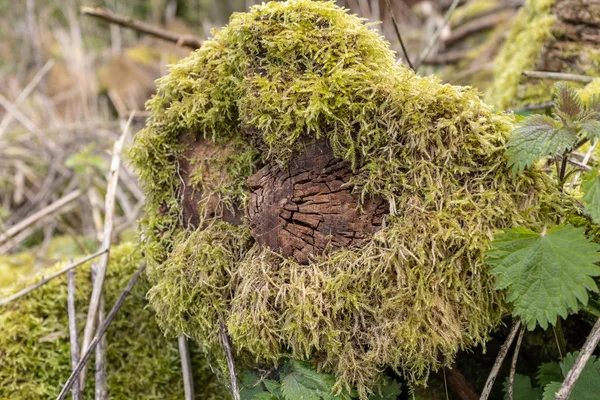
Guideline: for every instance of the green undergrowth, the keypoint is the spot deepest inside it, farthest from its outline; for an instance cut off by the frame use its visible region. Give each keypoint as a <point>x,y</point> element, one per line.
<point>531,28</point>
<point>34,340</point>
<point>415,294</point>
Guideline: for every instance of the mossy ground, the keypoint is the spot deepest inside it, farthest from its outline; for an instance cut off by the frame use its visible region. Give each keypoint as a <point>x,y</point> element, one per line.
<point>35,358</point>
<point>419,290</point>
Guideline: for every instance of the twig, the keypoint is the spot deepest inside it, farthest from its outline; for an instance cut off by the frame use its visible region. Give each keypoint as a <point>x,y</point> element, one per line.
<point>459,384</point>
<point>186,368</point>
<point>109,211</point>
<point>476,26</point>
<point>513,365</point>
<point>406,57</point>
<point>580,362</point>
<point>13,230</point>
<point>48,279</point>
<point>558,76</point>
<point>447,57</point>
<point>534,107</point>
<point>190,41</point>
<point>436,35</point>
<point>19,116</point>
<point>586,159</point>
<point>101,331</point>
<point>501,7</point>
<point>234,385</point>
<point>73,328</point>
<point>101,388</point>
<point>25,94</point>
<point>499,360</point>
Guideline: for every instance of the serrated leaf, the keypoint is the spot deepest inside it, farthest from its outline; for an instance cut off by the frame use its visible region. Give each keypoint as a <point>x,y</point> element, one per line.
<point>264,396</point>
<point>388,389</point>
<point>568,103</point>
<point>304,383</point>
<point>273,387</point>
<point>536,137</point>
<point>250,386</point>
<point>550,391</point>
<point>588,384</point>
<point>591,128</point>
<point>522,389</point>
<point>591,194</point>
<point>548,372</point>
<point>545,275</point>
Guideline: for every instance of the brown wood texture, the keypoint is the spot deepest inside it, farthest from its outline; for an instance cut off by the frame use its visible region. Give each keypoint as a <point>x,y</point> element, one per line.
<point>306,209</point>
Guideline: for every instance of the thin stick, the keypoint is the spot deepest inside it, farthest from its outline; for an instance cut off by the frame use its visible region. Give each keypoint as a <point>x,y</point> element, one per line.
<point>234,385</point>
<point>101,331</point>
<point>534,107</point>
<point>13,230</point>
<point>19,116</point>
<point>190,41</point>
<point>436,35</point>
<point>585,160</point>
<point>109,210</point>
<point>558,76</point>
<point>499,360</point>
<point>101,388</point>
<point>186,368</point>
<point>584,355</point>
<point>25,94</point>
<point>73,328</point>
<point>406,57</point>
<point>48,279</point>
<point>513,365</point>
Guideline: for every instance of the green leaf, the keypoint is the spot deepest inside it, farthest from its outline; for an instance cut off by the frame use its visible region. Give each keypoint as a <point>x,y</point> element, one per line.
<point>522,389</point>
<point>588,384</point>
<point>550,391</point>
<point>548,372</point>
<point>591,194</point>
<point>388,389</point>
<point>568,103</point>
<point>304,383</point>
<point>264,396</point>
<point>545,275</point>
<point>273,387</point>
<point>536,137</point>
<point>250,386</point>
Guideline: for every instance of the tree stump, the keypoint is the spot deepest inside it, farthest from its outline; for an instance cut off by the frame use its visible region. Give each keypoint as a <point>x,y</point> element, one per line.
<point>308,208</point>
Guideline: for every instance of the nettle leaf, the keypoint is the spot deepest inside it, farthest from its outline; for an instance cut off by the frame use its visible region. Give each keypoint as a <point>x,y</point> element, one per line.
<point>591,194</point>
<point>588,384</point>
<point>536,137</point>
<point>388,389</point>
<point>522,389</point>
<point>545,275</point>
<point>548,372</point>
<point>550,391</point>
<point>304,383</point>
<point>568,103</point>
<point>250,386</point>
<point>591,128</point>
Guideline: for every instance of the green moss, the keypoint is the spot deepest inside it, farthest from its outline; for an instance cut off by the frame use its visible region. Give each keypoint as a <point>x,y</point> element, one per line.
<point>589,90</point>
<point>413,295</point>
<point>531,29</point>
<point>141,363</point>
<point>471,9</point>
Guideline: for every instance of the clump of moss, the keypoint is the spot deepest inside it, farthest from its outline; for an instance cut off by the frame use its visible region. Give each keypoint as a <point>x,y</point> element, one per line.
<point>419,290</point>
<point>521,51</point>
<point>141,363</point>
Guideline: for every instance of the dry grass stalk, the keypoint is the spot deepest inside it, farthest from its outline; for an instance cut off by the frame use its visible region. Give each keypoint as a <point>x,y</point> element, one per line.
<point>100,332</point>
<point>96,296</point>
<point>74,341</point>
<point>186,368</point>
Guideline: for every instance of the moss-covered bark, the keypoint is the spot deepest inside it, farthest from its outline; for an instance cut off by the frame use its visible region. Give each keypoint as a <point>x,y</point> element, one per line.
<point>547,35</point>
<point>35,357</point>
<point>274,80</point>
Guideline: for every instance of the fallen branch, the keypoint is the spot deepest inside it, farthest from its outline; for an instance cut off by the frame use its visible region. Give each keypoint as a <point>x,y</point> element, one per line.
<point>482,24</point>
<point>534,107</point>
<point>186,368</point>
<point>48,279</point>
<point>190,41</point>
<point>13,230</point>
<point>558,76</point>
<point>101,331</point>
<point>448,57</point>
<point>234,385</point>
<point>499,360</point>
<point>580,362</point>
<point>109,211</point>
<point>75,393</point>
<point>485,13</point>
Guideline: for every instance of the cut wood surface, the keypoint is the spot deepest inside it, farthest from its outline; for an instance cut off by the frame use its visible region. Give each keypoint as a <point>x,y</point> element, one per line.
<point>308,208</point>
